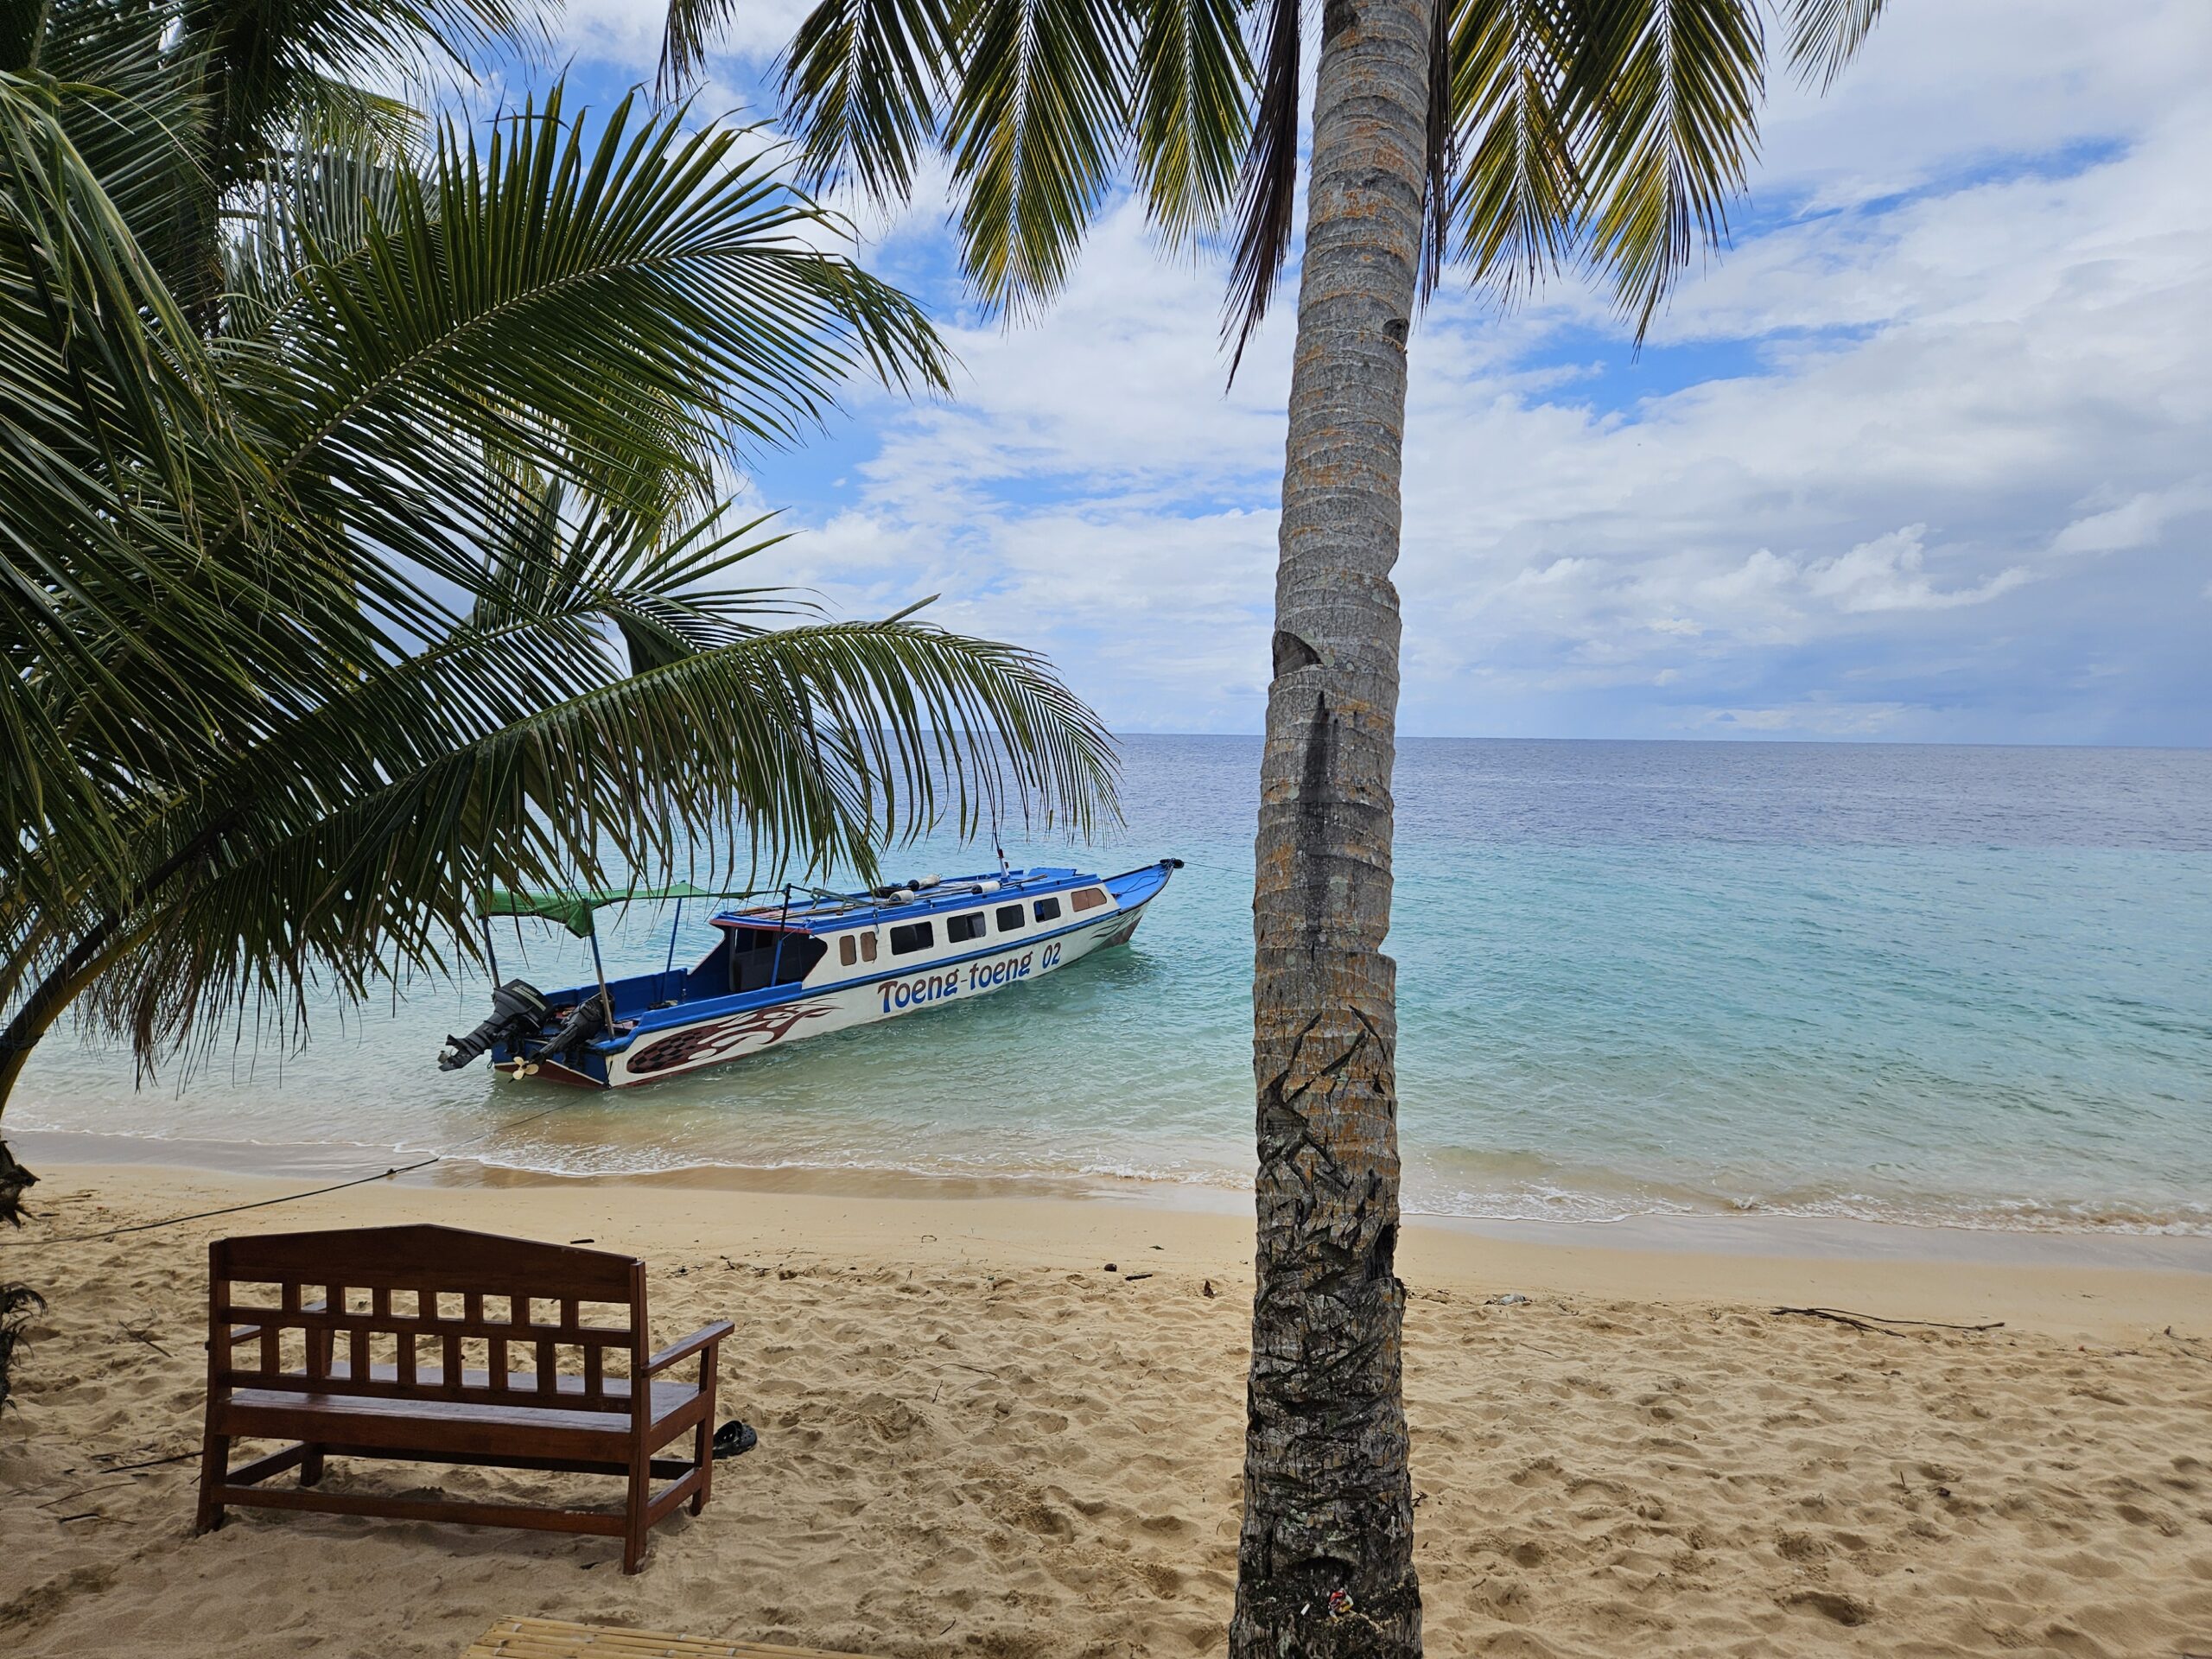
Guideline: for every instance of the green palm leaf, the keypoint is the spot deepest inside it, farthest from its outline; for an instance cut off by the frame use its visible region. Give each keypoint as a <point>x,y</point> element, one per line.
<point>276,71</point>
<point>862,84</point>
<point>809,744</point>
<point>1662,96</point>
<point>1192,82</point>
<point>395,584</point>
<point>1034,128</point>
<point>1267,204</point>
<point>1516,195</point>
<point>1825,35</point>
<point>688,27</point>
<point>618,310</point>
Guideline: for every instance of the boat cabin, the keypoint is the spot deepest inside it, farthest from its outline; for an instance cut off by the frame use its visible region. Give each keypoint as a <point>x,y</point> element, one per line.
<point>820,941</point>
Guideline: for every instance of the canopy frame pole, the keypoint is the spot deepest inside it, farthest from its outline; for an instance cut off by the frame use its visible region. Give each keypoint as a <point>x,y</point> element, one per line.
<point>491,950</point>
<point>606,996</point>
<point>783,921</point>
<point>670,967</point>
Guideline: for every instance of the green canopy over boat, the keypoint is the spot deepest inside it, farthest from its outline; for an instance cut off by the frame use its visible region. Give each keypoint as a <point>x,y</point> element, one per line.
<point>573,908</point>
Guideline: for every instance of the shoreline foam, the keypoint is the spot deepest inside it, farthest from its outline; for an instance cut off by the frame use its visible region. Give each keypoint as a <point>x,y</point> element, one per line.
<point>1748,1231</point>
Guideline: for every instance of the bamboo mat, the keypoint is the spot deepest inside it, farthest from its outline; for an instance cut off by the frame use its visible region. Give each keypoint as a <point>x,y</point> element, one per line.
<point>554,1638</point>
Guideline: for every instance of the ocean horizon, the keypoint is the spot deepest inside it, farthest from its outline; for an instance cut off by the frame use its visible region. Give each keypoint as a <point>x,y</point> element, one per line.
<point>1957,985</point>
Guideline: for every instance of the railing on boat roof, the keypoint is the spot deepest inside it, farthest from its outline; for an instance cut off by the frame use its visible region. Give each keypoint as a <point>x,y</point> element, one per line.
<point>823,904</point>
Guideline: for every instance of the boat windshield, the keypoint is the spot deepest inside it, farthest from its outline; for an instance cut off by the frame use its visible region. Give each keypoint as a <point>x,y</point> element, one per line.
<point>755,962</point>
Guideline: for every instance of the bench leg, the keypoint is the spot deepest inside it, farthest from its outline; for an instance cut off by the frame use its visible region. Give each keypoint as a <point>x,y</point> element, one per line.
<point>214,1465</point>
<point>703,1459</point>
<point>703,1443</point>
<point>311,1467</point>
<point>635,1512</point>
<point>702,1453</point>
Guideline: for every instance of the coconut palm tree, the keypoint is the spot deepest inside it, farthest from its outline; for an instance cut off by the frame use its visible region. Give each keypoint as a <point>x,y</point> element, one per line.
<point>1511,137</point>
<point>360,545</point>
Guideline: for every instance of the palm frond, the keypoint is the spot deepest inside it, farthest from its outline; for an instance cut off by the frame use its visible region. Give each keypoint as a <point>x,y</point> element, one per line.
<point>315,205</point>
<point>1034,127</point>
<point>139,112</point>
<point>1189,115</point>
<point>1517,196</point>
<point>617,311</point>
<point>863,88</point>
<point>1825,35</point>
<point>381,591</point>
<point>1665,93</point>
<point>334,114</point>
<point>1440,153</point>
<point>544,561</point>
<point>274,75</point>
<point>115,454</point>
<point>1267,191</point>
<point>686,31</point>
<point>809,745</point>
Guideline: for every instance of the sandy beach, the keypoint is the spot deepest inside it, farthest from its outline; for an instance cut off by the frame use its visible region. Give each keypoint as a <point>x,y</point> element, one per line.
<point>976,1439</point>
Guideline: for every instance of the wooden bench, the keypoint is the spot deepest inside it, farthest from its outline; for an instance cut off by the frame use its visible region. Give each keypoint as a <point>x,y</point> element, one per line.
<point>407,1343</point>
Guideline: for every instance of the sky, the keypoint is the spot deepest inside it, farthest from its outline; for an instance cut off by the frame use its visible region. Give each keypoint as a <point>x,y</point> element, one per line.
<point>1924,456</point>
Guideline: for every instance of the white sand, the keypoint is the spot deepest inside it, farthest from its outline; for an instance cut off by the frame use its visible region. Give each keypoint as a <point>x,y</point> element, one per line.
<point>974,1441</point>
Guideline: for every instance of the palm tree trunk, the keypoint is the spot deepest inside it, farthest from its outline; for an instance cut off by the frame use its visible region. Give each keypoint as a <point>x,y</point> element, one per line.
<point>46,1004</point>
<point>82,963</point>
<point>1328,1506</point>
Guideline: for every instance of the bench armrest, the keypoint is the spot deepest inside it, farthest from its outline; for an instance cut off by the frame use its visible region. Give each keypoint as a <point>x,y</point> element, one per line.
<point>697,1342</point>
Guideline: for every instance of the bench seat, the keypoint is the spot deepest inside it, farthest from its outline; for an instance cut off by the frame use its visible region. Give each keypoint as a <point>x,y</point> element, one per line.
<point>670,1394</point>
<point>450,1425</point>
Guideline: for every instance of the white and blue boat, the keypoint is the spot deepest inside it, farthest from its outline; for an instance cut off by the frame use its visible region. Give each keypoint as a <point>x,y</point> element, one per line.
<point>804,965</point>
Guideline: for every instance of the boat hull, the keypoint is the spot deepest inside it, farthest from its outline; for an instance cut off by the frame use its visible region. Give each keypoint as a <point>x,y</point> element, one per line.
<point>717,1039</point>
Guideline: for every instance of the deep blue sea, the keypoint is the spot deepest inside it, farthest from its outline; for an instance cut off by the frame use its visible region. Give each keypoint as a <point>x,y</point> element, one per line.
<point>1970,986</point>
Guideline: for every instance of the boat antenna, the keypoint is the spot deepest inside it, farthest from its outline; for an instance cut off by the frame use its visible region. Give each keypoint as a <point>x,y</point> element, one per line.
<point>995,845</point>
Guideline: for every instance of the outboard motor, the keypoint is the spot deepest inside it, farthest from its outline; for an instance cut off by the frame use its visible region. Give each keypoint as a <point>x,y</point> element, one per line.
<point>585,1021</point>
<point>519,1008</point>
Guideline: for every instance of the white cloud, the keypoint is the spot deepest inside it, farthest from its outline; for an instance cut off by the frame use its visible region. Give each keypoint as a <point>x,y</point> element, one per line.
<point>2136,522</point>
<point>627,33</point>
<point>1981,82</point>
<point>1808,719</point>
<point>1886,575</point>
<point>1987,318</point>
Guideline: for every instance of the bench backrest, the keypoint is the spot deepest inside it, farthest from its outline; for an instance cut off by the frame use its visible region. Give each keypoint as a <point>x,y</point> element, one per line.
<point>426,1312</point>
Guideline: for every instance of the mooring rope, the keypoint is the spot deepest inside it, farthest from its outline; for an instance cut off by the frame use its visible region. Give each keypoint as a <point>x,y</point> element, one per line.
<point>288,1198</point>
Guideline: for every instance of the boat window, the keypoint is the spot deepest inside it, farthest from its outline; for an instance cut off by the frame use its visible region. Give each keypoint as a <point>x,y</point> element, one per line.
<point>960,929</point>
<point>1048,910</point>
<point>1091,899</point>
<point>910,937</point>
<point>1010,918</point>
<point>868,945</point>
<point>847,952</point>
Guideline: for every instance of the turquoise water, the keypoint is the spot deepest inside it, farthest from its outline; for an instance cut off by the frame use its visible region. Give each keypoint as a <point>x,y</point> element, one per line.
<point>1969,986</point>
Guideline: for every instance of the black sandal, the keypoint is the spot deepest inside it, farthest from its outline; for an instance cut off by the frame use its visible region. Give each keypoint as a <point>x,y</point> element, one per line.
<point>735,1438</point>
